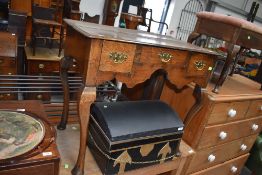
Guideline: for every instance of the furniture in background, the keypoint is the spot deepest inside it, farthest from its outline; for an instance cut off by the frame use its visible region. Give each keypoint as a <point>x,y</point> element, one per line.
<point>4,14</point>
<point>129,58</point>
<point>44,25</point>
<point>42,160</point>
<point>8,60</point>
<point>224,130</point>
<point>131,20</point>
<point>17,25</point>
<point>232,30</point>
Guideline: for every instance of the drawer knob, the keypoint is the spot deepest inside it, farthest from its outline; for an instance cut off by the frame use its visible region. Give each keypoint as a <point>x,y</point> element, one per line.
<point>200,65</point>
<point>243,147</point>
<point>165,57</point>
<point>254,127</point>
<point>232,113</point>
<point>233,169</point>
<point>117,57</point>
<point>222,135</point>
<point>39,96</point>
<point>9,73</point>
<point>41,66</point>
<point>211,158</point>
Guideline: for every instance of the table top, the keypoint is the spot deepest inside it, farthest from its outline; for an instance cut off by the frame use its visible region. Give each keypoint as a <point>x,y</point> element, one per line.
<point>236,87</point>
<point>98,31</point>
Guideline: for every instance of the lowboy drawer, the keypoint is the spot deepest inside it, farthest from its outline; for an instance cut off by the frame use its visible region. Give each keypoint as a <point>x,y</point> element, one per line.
<point>212,156</point>
<point>199,65</point>
<point>117,57</point>
<point>39,66</point>
<point>8,70</point>
<point>218,134</point>
<point>233,167</point>
<point>255,108</point>
<point>225,112</point>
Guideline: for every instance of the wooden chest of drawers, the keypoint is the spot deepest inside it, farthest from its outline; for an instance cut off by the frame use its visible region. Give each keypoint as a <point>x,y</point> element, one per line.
<point>223,131</point>
<point>8,61</point>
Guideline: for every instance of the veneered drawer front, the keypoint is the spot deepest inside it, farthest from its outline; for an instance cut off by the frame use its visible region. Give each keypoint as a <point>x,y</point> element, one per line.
<point>225,112</point>
<point>215,155</point>
<point>255,108</point>
<point>117,57</point>
<point>8,70</point>
<point>218,134</point>
<point>199,65</point>
<point>156,56</point>
<point>7,62</point>
<point>39,66</point>
<point>230,167</point>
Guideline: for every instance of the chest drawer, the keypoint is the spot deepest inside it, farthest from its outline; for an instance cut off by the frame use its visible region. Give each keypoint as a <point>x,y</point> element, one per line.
<point>225,112</point>
<point>8,70</point>
<point>230,167</point>
<point>255,108</point>
<point>212,156</point>
<point>117,57</point>
<point>218,134</point>
<point>7,62</point>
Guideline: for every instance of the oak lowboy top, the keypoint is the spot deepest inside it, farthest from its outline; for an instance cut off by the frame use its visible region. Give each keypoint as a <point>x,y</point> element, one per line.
<point>105,52</point>
<point>92,30</point>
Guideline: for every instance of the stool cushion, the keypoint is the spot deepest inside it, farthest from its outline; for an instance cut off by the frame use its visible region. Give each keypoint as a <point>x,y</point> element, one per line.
<point>237,22</point>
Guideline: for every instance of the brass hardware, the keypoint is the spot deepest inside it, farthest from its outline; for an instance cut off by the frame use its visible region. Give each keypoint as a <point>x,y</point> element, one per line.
<point>117,57</point>
<point>1,61</point>
<point>9,73</point>
<point>210,68</point>
<point>8,95</point>
<point>200,65</point>
<point>41,66</point>
<point>248,37</point>
<point>165,57</point>
<point>146,149</point>
<point>74,65</point>
<point>39,96</point>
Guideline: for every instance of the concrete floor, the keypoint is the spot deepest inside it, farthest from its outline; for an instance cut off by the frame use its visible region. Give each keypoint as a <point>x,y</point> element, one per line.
<point>68,145</point>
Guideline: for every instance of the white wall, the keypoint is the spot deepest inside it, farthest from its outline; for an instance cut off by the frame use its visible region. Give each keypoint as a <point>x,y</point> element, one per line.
<point>179,5</point>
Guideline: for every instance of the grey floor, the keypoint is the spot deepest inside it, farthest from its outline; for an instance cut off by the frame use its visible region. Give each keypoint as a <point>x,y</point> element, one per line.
<point>68,145</point>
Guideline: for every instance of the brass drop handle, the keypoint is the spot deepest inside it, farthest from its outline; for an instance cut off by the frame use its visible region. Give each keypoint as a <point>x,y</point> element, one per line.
<point>118,57</point>
<point>41,66</point>
<point>200,65</point>
<point>165,57</point>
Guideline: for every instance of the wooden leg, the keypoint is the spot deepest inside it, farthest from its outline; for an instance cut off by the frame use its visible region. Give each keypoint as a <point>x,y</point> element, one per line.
<point>192,37</point>
<point>236,60</point>
<point>225,69</point>
<point>196,107</point>
<point>65,64</point>
<point>87,98</point>
<point>61,40</point>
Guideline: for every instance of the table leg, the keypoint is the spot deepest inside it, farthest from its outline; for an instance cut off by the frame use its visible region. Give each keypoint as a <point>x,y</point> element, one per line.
<point>236,60</point>
<point>87,98</point>
<point>65,64</point>
<point>196,107</point>
<point>225,69</point>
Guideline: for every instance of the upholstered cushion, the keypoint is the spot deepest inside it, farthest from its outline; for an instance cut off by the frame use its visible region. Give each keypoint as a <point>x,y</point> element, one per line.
<point>237,22</point>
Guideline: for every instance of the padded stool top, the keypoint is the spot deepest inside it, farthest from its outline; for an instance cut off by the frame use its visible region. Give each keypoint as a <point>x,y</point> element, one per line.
<point>237,22</point>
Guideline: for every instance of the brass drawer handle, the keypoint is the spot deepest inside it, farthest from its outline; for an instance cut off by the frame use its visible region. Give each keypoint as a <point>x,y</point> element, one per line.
<point>118,57</point>
<point>165,57</point>
<point>41,66</point>
<point>200,65</point>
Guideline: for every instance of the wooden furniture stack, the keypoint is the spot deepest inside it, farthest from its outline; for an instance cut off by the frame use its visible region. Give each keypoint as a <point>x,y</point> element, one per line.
<point>224,130</point>
<point>8,59</point>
